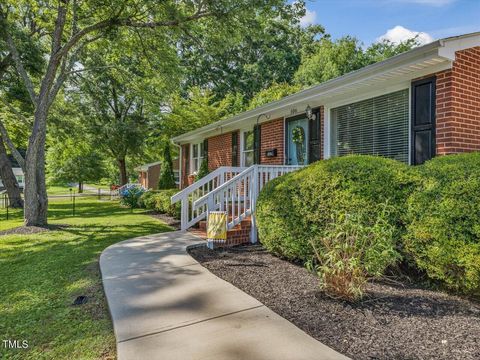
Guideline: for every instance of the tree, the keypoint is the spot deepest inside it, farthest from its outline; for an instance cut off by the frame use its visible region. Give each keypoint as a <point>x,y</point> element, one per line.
<point>167,178</point>
<point>329,59</point>
<point>274,92</point>
<point>113,100</point>
<point>200,108</point>
<point>13,93</point>
<point>74,161</point>
<point>70,28</point>
<point>269,51</point>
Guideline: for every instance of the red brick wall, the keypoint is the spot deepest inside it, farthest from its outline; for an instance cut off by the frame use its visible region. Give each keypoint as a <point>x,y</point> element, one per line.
<point>458,104</point>
<point>184,171</point>
<point>220,150</point>
<point>272,137</point>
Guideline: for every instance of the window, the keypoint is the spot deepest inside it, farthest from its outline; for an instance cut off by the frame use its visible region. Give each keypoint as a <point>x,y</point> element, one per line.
<point>377,126</point>
<point>20,179</point>
<point>197,156</point>
<point>248,147</point>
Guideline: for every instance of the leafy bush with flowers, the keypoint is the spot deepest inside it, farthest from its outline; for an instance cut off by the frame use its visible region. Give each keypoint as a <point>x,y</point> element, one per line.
<point>130,194</point>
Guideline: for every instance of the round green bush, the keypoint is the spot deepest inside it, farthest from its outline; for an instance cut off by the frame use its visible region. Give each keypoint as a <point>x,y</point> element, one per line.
<point>297,209</point>
<point>147,200</point>
<point>163,204</point>
<point>443,232</point>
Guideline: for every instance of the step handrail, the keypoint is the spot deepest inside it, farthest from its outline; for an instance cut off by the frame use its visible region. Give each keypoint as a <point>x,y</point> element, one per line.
<point>203,200</point>
<point>197,184</point>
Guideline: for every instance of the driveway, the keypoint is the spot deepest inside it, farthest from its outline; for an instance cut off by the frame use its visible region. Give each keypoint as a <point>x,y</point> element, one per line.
<point>165,305</point>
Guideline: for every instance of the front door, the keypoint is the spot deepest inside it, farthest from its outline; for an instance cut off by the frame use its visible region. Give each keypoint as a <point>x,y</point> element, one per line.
<point>297,141</point>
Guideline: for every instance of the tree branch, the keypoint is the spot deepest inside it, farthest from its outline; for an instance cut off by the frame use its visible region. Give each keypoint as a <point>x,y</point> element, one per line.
<point>127,22</point>
<point>18,62</point>
<point>16,154</point>
<point>15,111</point>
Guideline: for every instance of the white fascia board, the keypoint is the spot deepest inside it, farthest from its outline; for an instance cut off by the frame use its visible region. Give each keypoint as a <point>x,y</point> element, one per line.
<point>451,45</point>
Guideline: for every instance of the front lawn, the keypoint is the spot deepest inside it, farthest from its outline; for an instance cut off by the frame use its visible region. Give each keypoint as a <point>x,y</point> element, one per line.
<point>43,273</point>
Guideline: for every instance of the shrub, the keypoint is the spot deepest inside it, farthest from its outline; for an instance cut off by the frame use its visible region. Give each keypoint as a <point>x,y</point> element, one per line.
<point>443,233</point>
<point>350,252</point>
<point>130,195</point>
<point>147,200</point>
<point>163,204</point>
<point>166,178</point>
<point>296,209</point>
<point>203,171</point>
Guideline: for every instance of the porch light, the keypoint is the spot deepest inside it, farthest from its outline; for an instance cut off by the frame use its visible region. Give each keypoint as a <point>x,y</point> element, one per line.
<point>309,112</point>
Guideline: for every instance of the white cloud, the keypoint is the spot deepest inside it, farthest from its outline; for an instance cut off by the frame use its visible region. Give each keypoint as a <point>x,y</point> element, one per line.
<point>399,34</point>
<point>309,18</point>
<point>429,2</point>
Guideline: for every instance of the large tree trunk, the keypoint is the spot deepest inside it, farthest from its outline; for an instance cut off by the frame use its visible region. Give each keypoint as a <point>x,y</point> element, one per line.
<point>80,187</point>
<point>8,179</point>
<point>36,200</point>
<point>123,171</point>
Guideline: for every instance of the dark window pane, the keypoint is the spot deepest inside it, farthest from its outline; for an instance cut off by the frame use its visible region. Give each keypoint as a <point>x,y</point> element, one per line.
<point>423,146</point>
<point>423,104</point>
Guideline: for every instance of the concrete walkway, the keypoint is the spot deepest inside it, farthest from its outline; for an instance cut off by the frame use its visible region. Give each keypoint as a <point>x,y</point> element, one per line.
<point>165,305</point>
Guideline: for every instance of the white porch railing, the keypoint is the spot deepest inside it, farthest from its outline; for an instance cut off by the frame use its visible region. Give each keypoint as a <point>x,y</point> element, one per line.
<point>238,196</point>
<point>191,215</point>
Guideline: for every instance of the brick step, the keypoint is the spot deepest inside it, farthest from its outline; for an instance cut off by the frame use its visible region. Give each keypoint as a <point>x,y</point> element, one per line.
<point>240,234</point>
<point>202,225</point>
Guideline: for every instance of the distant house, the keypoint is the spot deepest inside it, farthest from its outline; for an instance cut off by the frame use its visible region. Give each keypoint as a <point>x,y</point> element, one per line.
<point>17,171</point>
<point>148,174</point>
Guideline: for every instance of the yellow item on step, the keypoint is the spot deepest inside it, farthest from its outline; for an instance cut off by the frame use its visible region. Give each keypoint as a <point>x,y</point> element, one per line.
<point>217,225</point>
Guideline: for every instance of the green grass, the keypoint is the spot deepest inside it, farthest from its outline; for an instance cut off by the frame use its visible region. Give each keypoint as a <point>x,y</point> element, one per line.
<point>59,189</point>
<point>41,275</point>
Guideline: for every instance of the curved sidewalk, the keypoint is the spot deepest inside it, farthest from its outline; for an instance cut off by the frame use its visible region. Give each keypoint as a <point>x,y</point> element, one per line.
<point>165,305</point>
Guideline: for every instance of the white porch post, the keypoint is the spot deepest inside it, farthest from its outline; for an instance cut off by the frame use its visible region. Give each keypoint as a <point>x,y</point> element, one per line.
<point>253,202</point>
<point>184,213</point>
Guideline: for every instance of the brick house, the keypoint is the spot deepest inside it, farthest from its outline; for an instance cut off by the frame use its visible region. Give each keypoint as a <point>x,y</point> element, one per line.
<point>149,174</point>
<point>411,107</point>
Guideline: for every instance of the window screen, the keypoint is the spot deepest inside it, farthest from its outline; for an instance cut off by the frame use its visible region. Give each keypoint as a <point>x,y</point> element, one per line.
<point>377,126</point>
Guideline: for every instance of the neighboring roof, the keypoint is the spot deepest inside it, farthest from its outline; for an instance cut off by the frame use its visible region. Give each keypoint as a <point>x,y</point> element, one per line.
<point>440,53</point>
<point>147,166</point>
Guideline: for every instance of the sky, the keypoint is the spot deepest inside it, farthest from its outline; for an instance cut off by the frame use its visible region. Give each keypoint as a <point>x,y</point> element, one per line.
<point>396,20</point>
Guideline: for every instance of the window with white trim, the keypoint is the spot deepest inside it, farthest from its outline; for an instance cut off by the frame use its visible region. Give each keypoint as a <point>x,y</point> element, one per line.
<point>197,156</point>
<point>376,126</point>
<point>20,179</point>
<point>248,147</point>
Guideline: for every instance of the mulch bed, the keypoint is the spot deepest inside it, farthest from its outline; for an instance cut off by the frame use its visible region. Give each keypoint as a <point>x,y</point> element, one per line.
<point>170,221</point>
<point>394,321</point>
<point>27,230</point>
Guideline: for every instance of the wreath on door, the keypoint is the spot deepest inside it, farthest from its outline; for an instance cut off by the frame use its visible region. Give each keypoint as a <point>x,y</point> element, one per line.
<point>298,138</point>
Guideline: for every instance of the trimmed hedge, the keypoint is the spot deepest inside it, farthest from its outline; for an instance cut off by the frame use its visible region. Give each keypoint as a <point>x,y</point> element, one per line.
<point>298,208</point>
<point>159,200</point>
<point>443,232</point>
